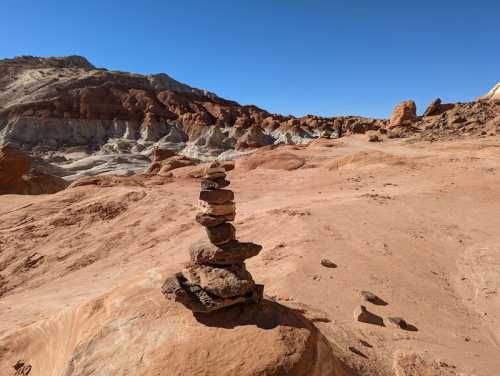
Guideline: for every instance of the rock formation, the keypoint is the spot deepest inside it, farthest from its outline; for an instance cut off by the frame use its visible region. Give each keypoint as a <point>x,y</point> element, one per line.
<point>404,114</point>
<point>493,94</point>
<point>165,160</point>
<point>18,175</point>
<point>217,276</point>
<point>65,102</point>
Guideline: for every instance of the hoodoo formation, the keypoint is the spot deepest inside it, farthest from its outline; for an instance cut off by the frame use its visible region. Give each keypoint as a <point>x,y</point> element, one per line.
<point>217,276</point>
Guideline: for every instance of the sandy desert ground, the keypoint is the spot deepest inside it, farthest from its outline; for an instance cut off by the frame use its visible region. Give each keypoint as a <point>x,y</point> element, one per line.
<point>416,224</point>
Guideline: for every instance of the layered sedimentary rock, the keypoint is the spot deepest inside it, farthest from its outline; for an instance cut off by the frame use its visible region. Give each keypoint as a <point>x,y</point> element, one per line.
<point>217,276</point>
<point>62,102</point>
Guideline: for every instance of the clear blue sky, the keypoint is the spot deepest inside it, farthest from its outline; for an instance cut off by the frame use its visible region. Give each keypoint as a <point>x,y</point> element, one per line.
<point>287,56</point>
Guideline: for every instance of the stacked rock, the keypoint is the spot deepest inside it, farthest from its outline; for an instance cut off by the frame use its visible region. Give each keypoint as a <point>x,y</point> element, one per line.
<point>216,276</point>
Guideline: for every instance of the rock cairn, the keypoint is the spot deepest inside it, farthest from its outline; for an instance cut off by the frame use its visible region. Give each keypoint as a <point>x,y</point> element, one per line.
<point>217,276</point>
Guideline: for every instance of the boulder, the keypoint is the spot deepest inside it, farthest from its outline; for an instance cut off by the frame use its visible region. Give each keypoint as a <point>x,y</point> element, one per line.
<point>164,166</point>
<point>254,138</point>
<point>17,175</point>
<point>404,114</point>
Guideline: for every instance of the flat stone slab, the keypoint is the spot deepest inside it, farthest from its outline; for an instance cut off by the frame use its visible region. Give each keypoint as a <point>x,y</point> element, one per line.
<point>228,208</point>
<point>224,254</point>
<point>217,196</point>
<point>194,298</point>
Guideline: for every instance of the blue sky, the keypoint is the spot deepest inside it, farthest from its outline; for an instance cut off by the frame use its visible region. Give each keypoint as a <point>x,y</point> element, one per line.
<point>287,56</point>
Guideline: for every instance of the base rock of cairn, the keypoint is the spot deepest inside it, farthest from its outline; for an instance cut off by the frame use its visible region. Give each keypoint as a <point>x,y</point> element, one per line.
<point>217,276</point>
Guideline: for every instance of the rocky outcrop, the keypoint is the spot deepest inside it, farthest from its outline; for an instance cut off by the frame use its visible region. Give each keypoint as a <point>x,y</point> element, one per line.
<point>166,160</point>
<point>493,94</point>
<point>56,103</point>
<point>17,175</point>
<point>433,108</point>
<point>479,118</point>
<point>217,276</point>
<point>404,114</point>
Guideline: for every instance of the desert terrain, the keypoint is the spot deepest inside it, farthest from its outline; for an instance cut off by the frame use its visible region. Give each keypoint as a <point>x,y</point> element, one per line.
<point>414,222</point>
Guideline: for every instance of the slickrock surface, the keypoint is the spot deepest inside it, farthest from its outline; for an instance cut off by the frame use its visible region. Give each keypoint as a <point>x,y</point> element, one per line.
<point>217,276</point>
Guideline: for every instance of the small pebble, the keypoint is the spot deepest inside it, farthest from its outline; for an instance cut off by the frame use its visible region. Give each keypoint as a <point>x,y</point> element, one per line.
<point>328,263</point>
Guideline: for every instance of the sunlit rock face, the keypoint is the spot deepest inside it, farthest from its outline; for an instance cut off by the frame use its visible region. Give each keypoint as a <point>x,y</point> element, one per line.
<point>58,104</point>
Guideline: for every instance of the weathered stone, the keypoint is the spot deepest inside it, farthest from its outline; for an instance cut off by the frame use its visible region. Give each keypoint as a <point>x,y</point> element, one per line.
<point>433,108</point>
<point>224,282</point>
<point>233,252</point>
<point>328,263</point>
<point>221,234</point>
<point>217,196</point>
<point>404,114</point>
<point>361,314</point>
<point>214,184</point>
<point>18,175</point>
<point>193,297</point>
<point>215,176</point>
<point>227,208</point>
<point>208,220</point>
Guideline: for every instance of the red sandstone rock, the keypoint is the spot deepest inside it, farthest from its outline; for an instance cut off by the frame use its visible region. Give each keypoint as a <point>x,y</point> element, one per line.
<point>404,114</point>
<point>224,254</point>
<point>164,166</point>
<point>221,234</point>
<point>17,176</point>
<point>217,196</point>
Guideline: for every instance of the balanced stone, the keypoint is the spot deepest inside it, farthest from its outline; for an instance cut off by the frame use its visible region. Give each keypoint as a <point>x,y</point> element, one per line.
<point>208,220</point>
<point>217,196</point>
<point>224,282</point>
<point>214,183</point>
<point>194,298</point>
<point>233,252</point>
<point>211,171</point>
<point>221,234</point>
<point>228,208</point>
<point>215,175</point>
